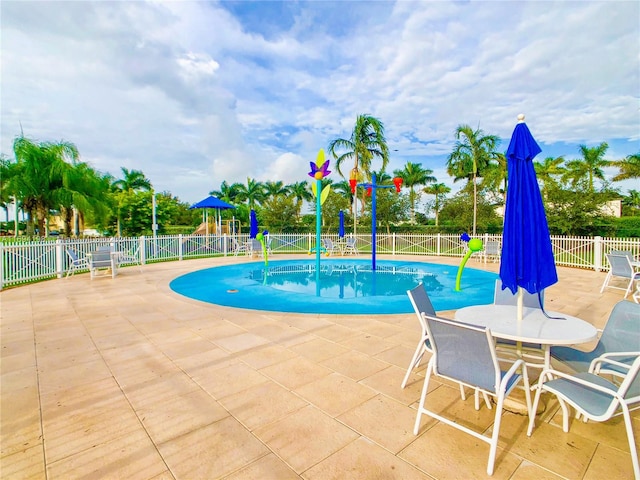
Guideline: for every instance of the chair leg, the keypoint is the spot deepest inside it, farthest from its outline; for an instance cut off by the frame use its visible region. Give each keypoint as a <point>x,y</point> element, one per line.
<point>494,437</point>
<point>606,281</point>
<point>632,442</point>
<point>423,396</point>
<point>415,361</point>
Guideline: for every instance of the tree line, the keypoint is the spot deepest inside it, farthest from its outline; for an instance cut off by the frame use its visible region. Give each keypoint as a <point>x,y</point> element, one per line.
<point>48,178</point>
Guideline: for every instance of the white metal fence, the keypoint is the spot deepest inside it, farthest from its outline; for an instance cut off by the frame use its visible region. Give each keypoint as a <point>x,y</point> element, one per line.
<point>29,261</point>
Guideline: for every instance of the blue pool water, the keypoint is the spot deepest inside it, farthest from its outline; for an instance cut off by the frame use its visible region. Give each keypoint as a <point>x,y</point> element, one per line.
<point>346,286</point>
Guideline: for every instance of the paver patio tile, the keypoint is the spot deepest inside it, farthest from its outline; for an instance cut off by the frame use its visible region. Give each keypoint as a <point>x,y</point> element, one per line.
<point>305,437</point>
<point>335,393</point>
<point>363,459</point>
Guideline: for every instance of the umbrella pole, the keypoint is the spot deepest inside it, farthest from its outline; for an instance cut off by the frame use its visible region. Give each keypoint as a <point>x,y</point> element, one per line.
<point>520,310</point>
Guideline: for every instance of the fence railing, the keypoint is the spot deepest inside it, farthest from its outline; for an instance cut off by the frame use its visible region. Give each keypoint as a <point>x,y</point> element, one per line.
<point>29,261</point>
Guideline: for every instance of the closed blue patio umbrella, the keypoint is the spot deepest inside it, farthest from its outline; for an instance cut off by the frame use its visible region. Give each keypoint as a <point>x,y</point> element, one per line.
<point>341,226</point>
<point>253,224</point>
<point>527,255</point>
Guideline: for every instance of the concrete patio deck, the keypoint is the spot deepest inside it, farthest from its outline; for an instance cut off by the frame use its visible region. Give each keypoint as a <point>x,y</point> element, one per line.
<point>123,379</point>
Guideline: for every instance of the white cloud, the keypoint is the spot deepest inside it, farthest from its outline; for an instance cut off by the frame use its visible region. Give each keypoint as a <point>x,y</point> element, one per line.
<point>193,93</point>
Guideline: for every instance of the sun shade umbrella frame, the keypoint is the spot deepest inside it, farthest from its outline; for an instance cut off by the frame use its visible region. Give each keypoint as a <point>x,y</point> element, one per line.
<point>212,202</point>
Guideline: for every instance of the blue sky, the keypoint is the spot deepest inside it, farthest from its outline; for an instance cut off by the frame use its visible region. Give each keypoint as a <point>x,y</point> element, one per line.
<point>194,93</point>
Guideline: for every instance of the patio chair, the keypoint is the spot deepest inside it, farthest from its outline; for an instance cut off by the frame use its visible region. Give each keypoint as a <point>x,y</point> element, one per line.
<point>621,334</point>
<point>421,304</point>
<point>505,297</point>
<point>329,246</point>
<point>255,247</point>
<point>129,257</point>
<point>75,262</point>
<point>595,398</point>
<point>238,247</point>
<point>465,354</point>
<point>528,350</point>
<point>350,246</point>
<point>620,267</point>
<point>491,252</point>
<point>101,259</point>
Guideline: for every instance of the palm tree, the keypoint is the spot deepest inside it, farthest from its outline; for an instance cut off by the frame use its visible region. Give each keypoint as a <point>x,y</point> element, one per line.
<point>632,199</point>
<point>549,170</point>
<point>412,175</point>
<point>343,187</point>
<point>628,168</point>
<point>496,177</point>
<point>439,190</point>
<point>39,168</point>
<point>253,192</point>
<point>472,154</point>
<point>132,181</point>
<point>367,142</point>
<point>83,190</point>
<point>301,191</point>
<point>274,189</point>
<point>227,193</point>
<point>590,166</point>
<point>6,187</point>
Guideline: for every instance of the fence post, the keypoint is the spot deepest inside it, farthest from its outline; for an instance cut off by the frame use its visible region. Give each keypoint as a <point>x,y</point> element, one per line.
<point>597,253</point>
<point>180,244</point>
<point>59,258</point>
<point>143,251</point>
<point>438,245</point>
<point>2,264</point>
<point>393,243</point>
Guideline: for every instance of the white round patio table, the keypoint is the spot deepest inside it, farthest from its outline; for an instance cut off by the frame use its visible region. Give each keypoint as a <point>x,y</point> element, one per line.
<point>535,327</point>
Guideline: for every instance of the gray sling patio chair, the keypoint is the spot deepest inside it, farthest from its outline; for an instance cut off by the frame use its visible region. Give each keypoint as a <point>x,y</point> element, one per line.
<point>621,267</point>
<point>330,247</point>
<point>594,397</point>
<point>465,354</point>
<point>621,334</point>
<point>528,350</point>
<point>76,262</point>
<point>505,297</point>
<point>491,252</point>
<point>350,246</point>
<point>421,304</point>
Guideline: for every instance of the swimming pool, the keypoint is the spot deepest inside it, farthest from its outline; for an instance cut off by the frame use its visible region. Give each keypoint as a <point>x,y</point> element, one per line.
<point>346,286</point>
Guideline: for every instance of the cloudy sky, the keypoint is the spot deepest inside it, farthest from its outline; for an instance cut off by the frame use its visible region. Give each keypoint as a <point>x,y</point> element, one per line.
<point>193,93</point>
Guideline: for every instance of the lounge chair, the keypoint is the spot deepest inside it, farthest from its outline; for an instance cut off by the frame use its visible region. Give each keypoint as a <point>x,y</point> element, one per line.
<point>465,354</point>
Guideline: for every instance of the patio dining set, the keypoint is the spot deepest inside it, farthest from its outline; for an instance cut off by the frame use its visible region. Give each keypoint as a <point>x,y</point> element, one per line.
<point>488,349</point>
